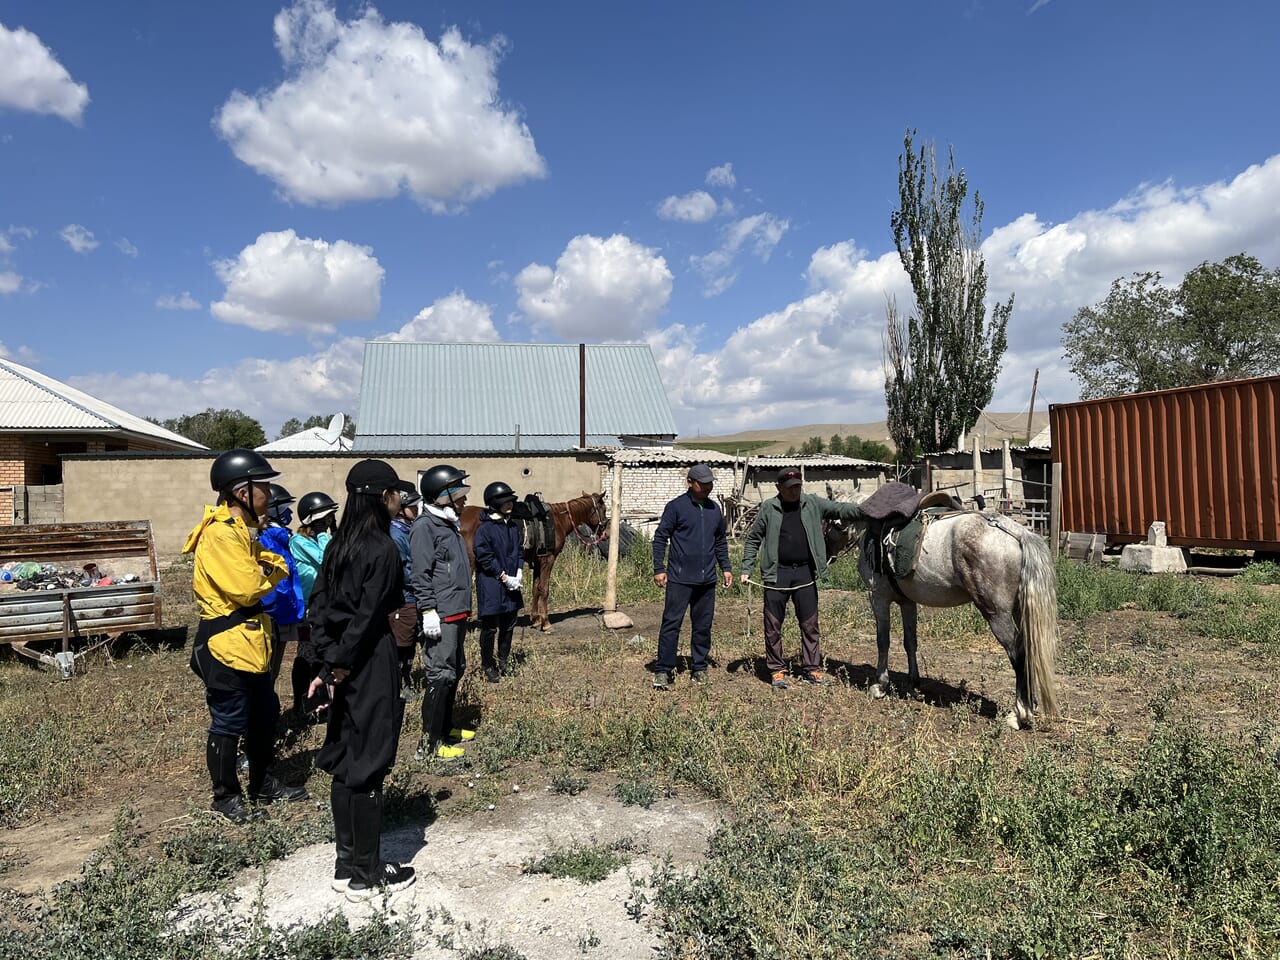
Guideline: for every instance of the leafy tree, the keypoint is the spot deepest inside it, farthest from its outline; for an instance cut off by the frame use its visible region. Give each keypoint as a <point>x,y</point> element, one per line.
<point>943,356</point>
<point>218,429</point>
<point>1221,323</point>
<point>294,425</point>
<point>812,446</point>
<point>791,451</point>
<point>835,446</point>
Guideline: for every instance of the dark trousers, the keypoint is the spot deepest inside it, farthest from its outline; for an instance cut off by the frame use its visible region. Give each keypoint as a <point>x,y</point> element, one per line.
<point>500,626</point>
<point>775,610</point>
<point>700,601</point>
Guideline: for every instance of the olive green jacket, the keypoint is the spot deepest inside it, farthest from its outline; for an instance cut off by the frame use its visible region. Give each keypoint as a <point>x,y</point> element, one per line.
<point>762,539</point>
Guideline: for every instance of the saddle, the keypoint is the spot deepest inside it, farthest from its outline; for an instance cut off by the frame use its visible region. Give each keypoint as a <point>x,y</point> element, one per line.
<point>539,525</point>
<point>897,517</point>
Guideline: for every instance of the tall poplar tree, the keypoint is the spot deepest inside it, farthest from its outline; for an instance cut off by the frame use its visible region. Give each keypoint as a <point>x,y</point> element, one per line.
<point>942,356</point>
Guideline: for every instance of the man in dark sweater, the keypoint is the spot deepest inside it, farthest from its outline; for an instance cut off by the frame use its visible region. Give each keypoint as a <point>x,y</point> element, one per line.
<point>687,547</point>
<point>787,538</point>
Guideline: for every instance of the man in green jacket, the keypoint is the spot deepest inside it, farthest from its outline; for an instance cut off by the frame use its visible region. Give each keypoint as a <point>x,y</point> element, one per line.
<point>787,539</point>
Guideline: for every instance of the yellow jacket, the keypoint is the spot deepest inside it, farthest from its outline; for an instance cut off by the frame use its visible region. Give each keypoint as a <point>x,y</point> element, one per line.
<point>228,576</point>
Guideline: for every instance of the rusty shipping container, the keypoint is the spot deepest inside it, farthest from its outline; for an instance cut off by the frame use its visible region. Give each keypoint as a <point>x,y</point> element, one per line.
<point>1202,459</point>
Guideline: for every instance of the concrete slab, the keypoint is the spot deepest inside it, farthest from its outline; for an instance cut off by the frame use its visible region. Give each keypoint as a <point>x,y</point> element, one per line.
<point>1145,558</point>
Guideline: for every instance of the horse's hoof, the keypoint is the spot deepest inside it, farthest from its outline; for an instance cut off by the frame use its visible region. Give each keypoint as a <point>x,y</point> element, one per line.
<point>546,628</point>
<point>1011,721</point>
<point>879,691</point>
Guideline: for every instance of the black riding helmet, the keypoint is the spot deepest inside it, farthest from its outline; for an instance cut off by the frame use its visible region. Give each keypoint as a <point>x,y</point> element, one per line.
<point>439,479</point>
<point>315,506</point>
<point>234,467</point>
<point>277,497</point>
<point>498,493</point>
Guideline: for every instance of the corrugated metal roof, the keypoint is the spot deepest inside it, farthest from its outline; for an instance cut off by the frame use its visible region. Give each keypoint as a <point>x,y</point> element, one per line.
<point>467,394</point>
<point>815,460</point>
<point>539,443</point>
<point>678,456</point>
<point>314,439</point>
<point>29,400</point>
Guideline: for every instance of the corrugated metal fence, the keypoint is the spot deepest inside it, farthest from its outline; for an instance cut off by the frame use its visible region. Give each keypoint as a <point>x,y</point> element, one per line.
<point>1203,459</point>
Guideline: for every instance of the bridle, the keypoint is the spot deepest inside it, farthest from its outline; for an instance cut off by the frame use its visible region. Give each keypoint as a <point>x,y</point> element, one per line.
<point>596,519</point>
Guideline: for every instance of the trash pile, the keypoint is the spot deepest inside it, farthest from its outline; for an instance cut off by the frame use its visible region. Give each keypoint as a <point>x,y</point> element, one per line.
<point>26,575</point>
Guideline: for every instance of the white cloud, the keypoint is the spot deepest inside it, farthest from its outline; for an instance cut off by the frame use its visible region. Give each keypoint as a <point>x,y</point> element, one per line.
<point>6,245</point>
<point>370,108</point>
<point>452,319</point>
<point>286,283</point>
<point>696,207</point>
<point>31,78</point>
<point>78,238</point>
<point>610,289</point>
<point>721,176</point>
<point>183,302</point>
<point>818,358</point>
<point>127,248</point>
<point>10,282</point>
<point>761,232</point>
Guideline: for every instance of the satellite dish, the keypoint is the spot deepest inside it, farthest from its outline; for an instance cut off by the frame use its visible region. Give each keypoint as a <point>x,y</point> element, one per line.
<point>333,432</point>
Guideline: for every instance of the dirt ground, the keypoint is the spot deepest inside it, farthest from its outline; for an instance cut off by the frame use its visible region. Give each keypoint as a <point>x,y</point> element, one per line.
<point>1112,669</point>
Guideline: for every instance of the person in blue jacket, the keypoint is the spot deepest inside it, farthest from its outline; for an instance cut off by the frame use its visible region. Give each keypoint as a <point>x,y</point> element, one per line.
<point>284,604</point>
<point>404,621</point>
<point>688,545</point>
<point>316,515</point>
<point>499,550</point>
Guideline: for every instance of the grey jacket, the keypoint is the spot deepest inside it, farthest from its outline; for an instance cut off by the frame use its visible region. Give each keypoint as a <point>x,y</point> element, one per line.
<point>441,577</point>
<point>762,538</point>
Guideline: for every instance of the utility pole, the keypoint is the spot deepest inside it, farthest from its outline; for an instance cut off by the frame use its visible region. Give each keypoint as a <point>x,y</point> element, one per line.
<point>1035,382</point>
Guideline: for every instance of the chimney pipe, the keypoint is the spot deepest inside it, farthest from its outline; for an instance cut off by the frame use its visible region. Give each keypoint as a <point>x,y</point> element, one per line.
<point>582,395</point>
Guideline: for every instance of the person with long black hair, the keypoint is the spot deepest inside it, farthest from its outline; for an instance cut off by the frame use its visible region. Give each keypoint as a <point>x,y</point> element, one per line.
<point>360,585</point>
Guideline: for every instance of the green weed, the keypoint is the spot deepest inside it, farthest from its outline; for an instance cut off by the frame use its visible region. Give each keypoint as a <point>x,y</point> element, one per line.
<point>586,864</point>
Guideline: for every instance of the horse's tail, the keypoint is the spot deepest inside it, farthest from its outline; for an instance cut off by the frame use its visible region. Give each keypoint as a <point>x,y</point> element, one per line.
<point>1038,599</point>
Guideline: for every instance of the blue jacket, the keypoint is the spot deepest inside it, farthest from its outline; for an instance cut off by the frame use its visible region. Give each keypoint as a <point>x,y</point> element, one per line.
<point>308,554</point>
<point>499,549</point>
<point>690,537</point>
<point>400,534</point>
<point>285,604</point>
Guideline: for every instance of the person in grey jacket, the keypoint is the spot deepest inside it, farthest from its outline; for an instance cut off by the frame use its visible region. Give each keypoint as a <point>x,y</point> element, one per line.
<point>441,582</point>
<point>688,546</point>
<point>786,539</point>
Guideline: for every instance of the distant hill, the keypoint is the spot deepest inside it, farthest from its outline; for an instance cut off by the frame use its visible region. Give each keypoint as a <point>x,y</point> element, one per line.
<point>990,429</point>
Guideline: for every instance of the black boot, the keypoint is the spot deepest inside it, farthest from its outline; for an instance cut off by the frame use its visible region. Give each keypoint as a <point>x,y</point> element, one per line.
<point>220,753</point>
<point>487,633</point>
<point>343,836</point>
<point>370,876</point>
<point>263,787</point>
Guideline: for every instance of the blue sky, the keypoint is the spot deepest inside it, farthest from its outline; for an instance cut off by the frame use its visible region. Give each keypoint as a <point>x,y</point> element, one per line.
<point>215,205</point>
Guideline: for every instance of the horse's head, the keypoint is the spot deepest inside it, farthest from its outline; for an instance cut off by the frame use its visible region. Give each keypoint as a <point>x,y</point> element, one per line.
<point>596,516</point>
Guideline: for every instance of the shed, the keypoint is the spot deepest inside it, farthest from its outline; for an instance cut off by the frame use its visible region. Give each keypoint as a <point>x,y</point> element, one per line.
<point>41,419</point>
<point>510,397</point>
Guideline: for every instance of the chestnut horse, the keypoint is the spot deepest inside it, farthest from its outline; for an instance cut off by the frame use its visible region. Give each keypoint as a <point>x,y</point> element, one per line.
<point>586,510</point>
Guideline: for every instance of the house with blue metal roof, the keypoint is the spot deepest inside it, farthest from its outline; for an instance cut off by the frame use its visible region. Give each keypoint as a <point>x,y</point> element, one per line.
<point>510,398</point>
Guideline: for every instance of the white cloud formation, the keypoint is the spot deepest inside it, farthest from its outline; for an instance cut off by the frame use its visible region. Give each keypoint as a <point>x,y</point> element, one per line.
<point>370,108</point>
<point>452,319</point>
<point>285,283</point>
<point>761,232</point>
<point>31,78</point>
<point>818,358</point>
<point>610,289</point>
<point>6,246</point>
<point>695,207</point>
<point>183,302</point>
<point>78,238</point>
<point>10,282</point>
<point>127,248</point>
<point>721,176</point>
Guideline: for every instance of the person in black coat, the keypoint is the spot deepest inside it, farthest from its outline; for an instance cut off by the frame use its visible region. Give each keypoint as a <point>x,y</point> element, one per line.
<point>499,550</point>
<point>360,584</point>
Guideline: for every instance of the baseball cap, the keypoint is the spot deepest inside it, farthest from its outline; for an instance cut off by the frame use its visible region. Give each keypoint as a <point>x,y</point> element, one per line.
<point>373,477</point>
<point>701,473</point>
<point>789,477</point>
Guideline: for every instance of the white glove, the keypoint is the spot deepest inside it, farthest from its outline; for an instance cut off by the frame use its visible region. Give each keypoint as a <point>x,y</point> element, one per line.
<point>431,624</point>
<point>518,579</point>
<point>511,582</point>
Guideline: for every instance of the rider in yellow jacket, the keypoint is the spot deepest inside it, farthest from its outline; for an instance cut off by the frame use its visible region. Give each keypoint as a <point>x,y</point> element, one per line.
<point>232,648</point>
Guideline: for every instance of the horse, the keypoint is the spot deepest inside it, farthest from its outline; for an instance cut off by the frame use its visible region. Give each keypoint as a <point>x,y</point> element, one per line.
<point>587,509</point>
<point>1003,569</point>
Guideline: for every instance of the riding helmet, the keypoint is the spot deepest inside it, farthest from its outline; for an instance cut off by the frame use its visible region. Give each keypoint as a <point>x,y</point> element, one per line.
<point>498,493</point>
<point>239,466</point>
<point>315,506</point>
<point>438,479</point>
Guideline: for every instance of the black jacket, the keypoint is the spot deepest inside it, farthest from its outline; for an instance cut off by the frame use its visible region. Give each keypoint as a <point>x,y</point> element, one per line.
<point>690,537</point>
<point>349,607</point>
<point>499,549</point>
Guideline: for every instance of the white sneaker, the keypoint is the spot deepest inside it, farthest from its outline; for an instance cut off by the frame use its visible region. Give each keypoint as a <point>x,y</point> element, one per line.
<point>394,878</point>
<point>340,886</point>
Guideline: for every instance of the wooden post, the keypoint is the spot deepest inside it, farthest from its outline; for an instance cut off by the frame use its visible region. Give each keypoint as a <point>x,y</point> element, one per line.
<point>613,619</point>
<point>1055,509</point>
<point>1035,382</point>
<point>977,467</point>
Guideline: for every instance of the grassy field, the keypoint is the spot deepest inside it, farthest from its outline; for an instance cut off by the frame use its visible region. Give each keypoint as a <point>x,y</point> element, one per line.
<point>1145,822</point>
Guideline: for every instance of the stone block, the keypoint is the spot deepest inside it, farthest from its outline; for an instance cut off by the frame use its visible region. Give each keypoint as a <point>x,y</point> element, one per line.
<point>1158,534</point>
<point>1145,558</point>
